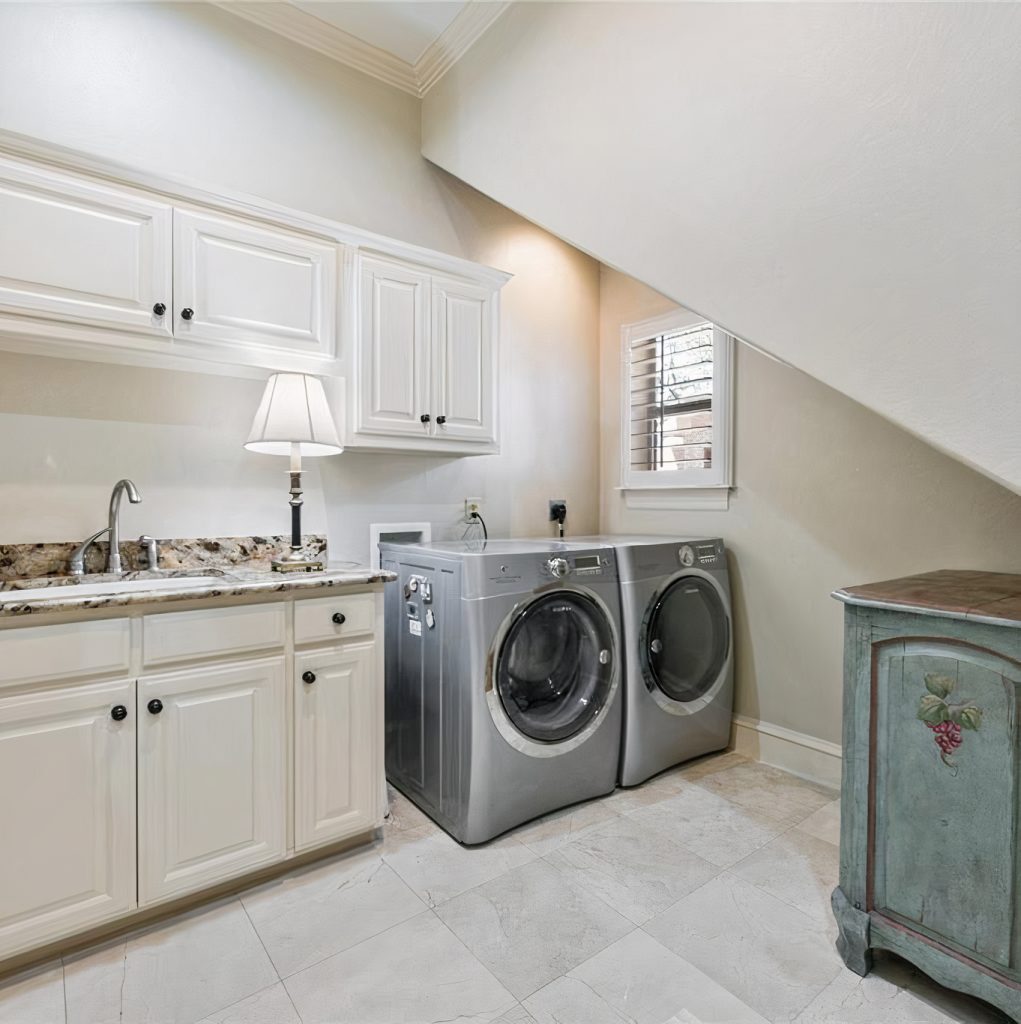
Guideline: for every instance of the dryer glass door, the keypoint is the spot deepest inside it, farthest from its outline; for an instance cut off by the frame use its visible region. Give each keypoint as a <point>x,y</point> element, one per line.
<point>685,639</point>
<point>555,669</point>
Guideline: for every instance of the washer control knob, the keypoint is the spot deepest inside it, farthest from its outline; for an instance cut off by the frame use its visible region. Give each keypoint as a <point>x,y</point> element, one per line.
<point>686,556</point>
<point>559,567</point>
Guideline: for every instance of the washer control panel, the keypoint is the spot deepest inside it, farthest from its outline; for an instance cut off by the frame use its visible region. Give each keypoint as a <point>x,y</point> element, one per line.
<point>561,566</point>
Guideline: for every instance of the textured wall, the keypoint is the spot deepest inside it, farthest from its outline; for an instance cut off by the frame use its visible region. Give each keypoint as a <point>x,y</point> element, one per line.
<point>838,183</point>
<point>827,494</point>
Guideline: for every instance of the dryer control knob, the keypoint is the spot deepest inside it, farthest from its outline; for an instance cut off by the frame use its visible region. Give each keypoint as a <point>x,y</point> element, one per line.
<point>559,567</point>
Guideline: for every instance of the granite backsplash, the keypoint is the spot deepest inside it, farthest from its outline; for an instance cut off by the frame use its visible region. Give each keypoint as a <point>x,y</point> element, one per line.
<point>20,561</point>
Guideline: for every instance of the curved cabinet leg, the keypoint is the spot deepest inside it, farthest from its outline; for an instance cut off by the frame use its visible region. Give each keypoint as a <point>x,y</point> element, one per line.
<point>853,940</point>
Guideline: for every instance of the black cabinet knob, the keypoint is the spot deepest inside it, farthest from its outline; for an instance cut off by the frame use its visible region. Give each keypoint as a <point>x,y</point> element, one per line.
<point>159,309</point>
<point>118,712</point>
<point>308,677</point>
<point>187,313</point>
<point>425,417</point>
<point>441,420</point>
<point>339,618</point>
<point>155,706</point>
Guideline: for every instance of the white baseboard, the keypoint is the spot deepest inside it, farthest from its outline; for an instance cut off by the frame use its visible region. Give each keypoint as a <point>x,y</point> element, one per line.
<point>794,752</point>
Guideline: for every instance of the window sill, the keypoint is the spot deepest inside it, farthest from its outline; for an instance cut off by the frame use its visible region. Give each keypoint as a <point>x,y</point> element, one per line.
<point>679,499</point>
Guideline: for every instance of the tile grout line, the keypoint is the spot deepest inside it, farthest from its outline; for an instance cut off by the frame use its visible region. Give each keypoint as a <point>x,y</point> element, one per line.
<point>347,949</point>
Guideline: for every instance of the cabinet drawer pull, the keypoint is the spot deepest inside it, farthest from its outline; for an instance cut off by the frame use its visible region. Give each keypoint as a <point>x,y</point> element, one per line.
<point>441,420</point>
<point>118,712</point>
<point>155,706</point>
<point>425,417</point>
<point>187,313</point>
<point>339,618</point>
<point>159,309</point>
<point>308,677</point>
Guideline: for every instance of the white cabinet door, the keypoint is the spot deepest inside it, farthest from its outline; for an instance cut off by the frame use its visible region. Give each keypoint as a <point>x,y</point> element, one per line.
<point>253,287</point>
<point>337,732</point>
<point>211,775</point>
<point>393,355</point>
<point>74,250</point>
<point>463,381</point>
<point>67,811</point>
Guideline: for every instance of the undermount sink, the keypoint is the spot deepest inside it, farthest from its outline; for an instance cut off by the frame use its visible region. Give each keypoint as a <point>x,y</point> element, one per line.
<point>75,590</point>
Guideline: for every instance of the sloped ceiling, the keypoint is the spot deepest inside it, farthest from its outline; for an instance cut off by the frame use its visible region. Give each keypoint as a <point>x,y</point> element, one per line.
<point>838,184</point>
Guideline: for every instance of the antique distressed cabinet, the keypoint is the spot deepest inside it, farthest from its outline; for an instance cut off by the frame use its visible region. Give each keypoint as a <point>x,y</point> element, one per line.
<point>929,864</point>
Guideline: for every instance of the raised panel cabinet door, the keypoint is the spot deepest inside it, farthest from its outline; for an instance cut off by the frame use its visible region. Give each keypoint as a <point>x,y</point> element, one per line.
<point>253,287</point>
<point>946,793</point>
<point>463,359</point>
<point>75,250</point>
<point>67,808</point>
<point>212,774</point>
<point>337,732</point>
<point>393,356</point>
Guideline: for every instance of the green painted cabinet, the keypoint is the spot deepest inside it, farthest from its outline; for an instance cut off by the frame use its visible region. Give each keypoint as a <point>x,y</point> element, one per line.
<point>929,865</point>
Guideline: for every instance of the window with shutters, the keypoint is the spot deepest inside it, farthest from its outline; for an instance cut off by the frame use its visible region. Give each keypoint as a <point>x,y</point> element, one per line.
<point>676,403</point>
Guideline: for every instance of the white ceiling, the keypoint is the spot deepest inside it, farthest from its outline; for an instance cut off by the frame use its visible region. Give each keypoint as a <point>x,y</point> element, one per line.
<point>407,45</point>
<point>404,29</point>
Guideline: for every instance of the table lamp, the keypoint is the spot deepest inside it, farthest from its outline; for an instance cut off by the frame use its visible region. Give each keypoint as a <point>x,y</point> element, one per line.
<point>294,419</point>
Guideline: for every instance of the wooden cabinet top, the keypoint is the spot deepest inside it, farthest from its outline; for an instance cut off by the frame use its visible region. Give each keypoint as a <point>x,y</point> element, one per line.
<point>956,593</point>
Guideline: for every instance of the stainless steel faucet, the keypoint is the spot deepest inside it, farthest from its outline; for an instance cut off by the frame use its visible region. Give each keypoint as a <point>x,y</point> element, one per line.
<point>113,528</point>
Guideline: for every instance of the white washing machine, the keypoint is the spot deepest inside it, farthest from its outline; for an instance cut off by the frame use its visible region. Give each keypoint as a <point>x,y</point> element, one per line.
<point>678,637</point>
<point>503,679</point>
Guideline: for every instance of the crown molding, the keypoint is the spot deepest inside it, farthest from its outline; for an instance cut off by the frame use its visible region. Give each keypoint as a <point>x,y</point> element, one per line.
<point>307,30</point>
<point>454,42</point>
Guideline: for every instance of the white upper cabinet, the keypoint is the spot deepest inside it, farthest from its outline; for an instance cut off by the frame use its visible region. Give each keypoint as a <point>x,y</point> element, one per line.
<point>249,286</point>
<point>393,370</point>
<point>425,362</point>
<point>118,267</point>
<point>463,381</point>
<point>76,250</point>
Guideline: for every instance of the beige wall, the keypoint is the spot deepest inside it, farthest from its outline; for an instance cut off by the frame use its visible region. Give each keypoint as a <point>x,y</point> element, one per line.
<point>827,494</point>
<point>191,91</point>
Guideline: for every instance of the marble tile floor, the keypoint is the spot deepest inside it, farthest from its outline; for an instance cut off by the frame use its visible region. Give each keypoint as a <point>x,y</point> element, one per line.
<point>701,897</point>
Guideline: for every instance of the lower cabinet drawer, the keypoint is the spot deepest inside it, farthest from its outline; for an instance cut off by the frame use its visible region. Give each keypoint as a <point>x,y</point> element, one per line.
<point>184,636</point>
<point>67,812</point>
<point>334,618</point>
<point>212,777</point>
<point>36,654</point>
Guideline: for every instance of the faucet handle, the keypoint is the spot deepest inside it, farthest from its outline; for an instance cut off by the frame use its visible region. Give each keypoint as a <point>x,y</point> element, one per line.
<point>152,550</point>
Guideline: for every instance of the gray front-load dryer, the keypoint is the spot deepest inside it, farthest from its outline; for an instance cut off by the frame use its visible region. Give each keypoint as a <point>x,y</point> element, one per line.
<point>678,650</point>
<point>503,679</point>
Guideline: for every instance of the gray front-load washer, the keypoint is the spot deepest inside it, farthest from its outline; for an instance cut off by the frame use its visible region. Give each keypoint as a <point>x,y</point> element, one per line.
<point>503,679</point>
<point>678,640</point>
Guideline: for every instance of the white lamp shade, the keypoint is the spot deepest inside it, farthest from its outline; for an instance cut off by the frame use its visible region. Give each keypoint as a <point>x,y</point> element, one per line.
<point>294,411</point>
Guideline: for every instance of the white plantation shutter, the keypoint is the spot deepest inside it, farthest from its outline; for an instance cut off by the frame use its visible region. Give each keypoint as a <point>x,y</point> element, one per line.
<point>671,388</point>
<point>676,423</point>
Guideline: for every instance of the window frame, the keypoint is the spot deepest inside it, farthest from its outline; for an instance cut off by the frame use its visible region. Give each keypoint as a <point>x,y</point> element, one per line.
<point>718,477</point>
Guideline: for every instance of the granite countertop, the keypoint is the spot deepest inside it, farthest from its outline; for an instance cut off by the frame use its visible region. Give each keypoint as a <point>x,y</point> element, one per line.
<point>955,593</point>
<point>69,595</point>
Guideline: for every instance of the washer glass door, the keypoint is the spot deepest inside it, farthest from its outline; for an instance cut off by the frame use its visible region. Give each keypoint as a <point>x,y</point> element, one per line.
<point>555,668</point>
<point>685,639</point>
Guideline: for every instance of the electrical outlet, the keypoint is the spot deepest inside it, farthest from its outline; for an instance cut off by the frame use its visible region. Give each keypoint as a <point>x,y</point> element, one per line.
<point>557,510</point>
<point>471,506</point>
